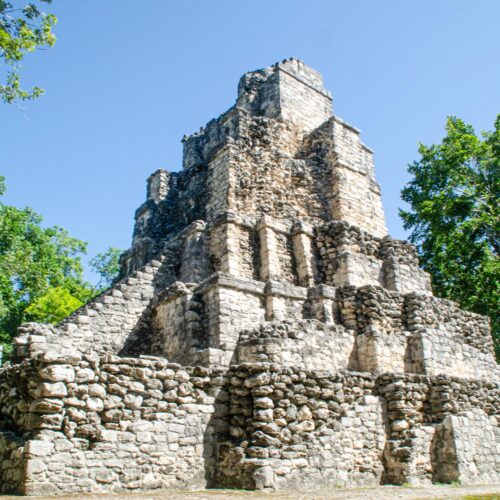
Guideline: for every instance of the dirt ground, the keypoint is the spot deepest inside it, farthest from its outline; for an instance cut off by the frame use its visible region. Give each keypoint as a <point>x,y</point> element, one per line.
<point>380,493</point>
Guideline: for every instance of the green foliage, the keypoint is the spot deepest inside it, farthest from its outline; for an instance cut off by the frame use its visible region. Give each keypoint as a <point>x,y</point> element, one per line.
<point>23,29</point>
<point>33,260</point>
<point>53,306</point>
<point>41,273</point>
<point>107,265</point>
<point>455,217</point>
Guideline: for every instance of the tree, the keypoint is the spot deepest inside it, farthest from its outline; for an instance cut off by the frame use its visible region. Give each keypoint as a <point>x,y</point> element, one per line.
<point>455,217</point>
<point>22,30</point>
<point>41,272</point>
<point>34,260</point>
<point>107,265</point>
<point>53,306</point>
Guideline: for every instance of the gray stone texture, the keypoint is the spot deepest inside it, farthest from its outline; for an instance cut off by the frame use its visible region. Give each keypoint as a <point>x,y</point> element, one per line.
<point>265,332</point>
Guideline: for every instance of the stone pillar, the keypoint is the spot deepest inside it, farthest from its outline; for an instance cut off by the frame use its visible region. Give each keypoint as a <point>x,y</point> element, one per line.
<point>224,248</point>
<point>194,262</point>
<point>277,296</point>
<point>401,267</point>
<point>158,185</point>
<point>232,260</point>
<point>270,266</point>
<point>323,303</point>
<point>302,239</point>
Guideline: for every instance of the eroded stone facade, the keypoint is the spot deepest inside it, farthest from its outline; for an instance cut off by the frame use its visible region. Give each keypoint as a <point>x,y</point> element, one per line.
<point>266,332</point>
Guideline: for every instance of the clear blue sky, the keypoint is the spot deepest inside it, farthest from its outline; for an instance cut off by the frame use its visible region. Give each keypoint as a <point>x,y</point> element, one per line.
<point>127,79</point>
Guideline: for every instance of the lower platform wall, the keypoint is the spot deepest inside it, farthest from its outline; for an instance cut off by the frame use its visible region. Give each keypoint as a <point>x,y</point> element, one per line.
<point>108,424</point>
<point>87,424</point>
<point>297,429</point>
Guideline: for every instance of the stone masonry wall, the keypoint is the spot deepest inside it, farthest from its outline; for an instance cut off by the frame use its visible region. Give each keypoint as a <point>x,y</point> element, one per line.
<point>290,91</point>
<point>467,448</point>
<point>441,351</point>
<point>301,429</point>
<point>100,424</point>
<point>177,324</point>
<point>351,256</point>
<point>425,311</point>
<point>112,322</point>
<point>113,423</point>
<point>306,344</point>
<point>265,332</point>
<point>354,196</point>
<point>417,448</point>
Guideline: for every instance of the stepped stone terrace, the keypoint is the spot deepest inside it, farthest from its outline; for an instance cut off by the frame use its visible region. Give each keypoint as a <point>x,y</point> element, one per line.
<point>265,333</point>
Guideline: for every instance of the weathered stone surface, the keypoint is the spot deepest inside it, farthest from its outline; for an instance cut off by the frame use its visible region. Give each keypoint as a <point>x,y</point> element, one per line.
<point>266,332</point>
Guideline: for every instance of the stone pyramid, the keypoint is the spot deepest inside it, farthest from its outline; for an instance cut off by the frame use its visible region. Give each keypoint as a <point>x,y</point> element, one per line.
<point>266,332</point>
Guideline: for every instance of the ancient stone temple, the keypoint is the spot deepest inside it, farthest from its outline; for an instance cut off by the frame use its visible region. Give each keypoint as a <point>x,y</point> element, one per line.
<point>266,332</point>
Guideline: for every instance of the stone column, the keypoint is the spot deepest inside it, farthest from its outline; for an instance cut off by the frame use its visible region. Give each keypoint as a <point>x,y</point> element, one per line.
<point>323,303</point>
<point>194,262</point>
<point>302,239</point>
<point>224,247</point>
<point>158,185</point>
<point>270,266</point>
<point>277,296</point>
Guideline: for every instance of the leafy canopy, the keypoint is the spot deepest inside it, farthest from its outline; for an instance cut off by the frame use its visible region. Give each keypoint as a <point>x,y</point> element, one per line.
<point>107,265</point>
<point>34,259</point>
<point>23,29</point>
<point>41,273</point>
<point>454,216</point>
<point>54,306</point>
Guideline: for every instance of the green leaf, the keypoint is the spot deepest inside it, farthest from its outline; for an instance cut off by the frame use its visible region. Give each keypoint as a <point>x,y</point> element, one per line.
<point>22,31</point>
<point>53,306</point>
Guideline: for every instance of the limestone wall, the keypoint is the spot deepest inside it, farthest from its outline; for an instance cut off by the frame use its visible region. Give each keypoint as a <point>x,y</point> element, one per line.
<point>270,175</point>
<point>288,90</point>
<point>425,311</point>
<point>84,423</point>
<point>467,448</point>
<point>177,324</point>
<point>306,344</point>
<point>351,256</point>
<point>354,195</point>
<point>115,321</point>
<point>441,351</point>
<point>12,460</point>
<point>401,269</point>
<point>297,429</point>
<point>230,305</point>
<point>303,99</point>
<point>109,424</point>
<point>417,451</point>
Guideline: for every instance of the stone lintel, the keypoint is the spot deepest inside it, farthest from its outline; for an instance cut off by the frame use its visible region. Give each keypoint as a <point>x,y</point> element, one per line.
<point>228,281</point>
<point>303,250</point>
<point>278,226</point>
<point>230,217</point>
<point>322,292</point>
<point>270,287</point>
<point>279,289</point>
